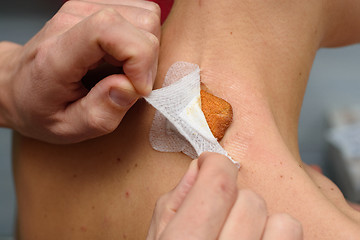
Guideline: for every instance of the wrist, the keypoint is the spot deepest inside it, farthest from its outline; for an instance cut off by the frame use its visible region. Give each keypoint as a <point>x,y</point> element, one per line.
<point>8,68</point>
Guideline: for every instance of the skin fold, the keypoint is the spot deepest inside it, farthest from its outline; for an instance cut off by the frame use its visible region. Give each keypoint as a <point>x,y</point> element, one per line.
<point>257,55</point>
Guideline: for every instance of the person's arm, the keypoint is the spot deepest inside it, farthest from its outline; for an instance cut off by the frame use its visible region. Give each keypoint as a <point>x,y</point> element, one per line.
<point>42,94</point>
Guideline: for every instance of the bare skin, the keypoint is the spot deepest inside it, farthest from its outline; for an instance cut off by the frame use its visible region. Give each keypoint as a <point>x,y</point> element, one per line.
<point>207,204</point>
<point>42,94</point>
<point>257,56</point>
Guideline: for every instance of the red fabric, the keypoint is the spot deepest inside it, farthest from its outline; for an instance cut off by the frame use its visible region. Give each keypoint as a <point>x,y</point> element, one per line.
<point>165,6</point>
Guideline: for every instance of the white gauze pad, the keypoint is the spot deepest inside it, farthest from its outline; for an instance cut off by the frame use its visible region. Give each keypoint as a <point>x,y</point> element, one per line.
<point>179,124</point>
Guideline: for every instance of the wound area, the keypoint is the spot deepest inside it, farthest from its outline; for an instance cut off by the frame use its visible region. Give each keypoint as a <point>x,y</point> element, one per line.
<point>218,113</point>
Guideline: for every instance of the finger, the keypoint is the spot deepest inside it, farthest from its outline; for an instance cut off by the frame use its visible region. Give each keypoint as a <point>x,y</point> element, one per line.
<point>179,193</point>
<point>100,111</point>
<point>105,33</point>
<point>115,63</point>
<point>284,227</point>
<point>149,5</point>
<point>168,204</point>
<point>58,24</point>
<point>209,201</point>
<point>155,42</point>
<point>247,218</point>
<point>140,17</point>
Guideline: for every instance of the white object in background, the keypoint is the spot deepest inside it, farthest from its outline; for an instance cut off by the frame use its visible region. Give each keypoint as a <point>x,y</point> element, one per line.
<point>344,140</point>
<point>347,138</point>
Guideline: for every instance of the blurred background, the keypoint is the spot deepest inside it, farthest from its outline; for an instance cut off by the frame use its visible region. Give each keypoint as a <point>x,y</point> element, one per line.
<point>19,21</point>
<point>334,85</point>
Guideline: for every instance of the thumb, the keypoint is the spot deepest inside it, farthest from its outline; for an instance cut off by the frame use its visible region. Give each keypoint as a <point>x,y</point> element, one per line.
<point>178,194</point>
<point>101,110</point>
<point>182,189</point>
<point>169,203</point>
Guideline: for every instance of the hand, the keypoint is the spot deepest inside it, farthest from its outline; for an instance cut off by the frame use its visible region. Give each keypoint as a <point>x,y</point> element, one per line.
<point>207,204</point>
<point>44,97</point>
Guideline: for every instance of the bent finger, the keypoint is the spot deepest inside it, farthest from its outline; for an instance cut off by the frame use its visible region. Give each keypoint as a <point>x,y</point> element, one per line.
<point>168,204</point>
<point>149,5</point>
<point>100,111</point>
<point>179,193</point>
<point>209,201</point>
<point>247,218</point>
<point>142,18</point>
<point>105,33</point>
<point>283,226</point>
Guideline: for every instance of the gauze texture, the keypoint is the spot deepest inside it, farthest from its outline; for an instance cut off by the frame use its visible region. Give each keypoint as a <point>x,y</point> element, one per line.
<point>179,125</point>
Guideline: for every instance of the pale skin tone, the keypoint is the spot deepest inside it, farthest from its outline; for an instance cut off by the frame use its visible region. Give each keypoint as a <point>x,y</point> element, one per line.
<point>257,56</point>
<point>206,204</point>
<point>51,67</point>
<point>42,94</point>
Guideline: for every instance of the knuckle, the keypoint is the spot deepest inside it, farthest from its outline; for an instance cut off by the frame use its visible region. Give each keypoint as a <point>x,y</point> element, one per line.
<point>68,5</point>
<point>56,19</point>
<point>42,56</point>
<point>148,50</point>
<point>217,174</point>
<point>162,207</point>
<point>106,17</point>
<point>46,60</point>
<point>250,197</point>
<point>149,21</point>
<point>224,186</point>
<point>155,43</point>
<point>100,123</point>
<point>102,23</point>
<point>138,52</point>
<point>286,223</point>
<point>154,7</point>
<point>162,201</point>
<point>60,22</point>
<point>62,132</point>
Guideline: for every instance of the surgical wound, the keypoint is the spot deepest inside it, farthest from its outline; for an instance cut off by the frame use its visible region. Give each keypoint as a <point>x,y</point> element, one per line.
<point>218,113</point>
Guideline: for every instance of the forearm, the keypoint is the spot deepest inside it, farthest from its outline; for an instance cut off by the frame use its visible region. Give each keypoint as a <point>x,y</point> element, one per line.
<point>8,65</point>
<point>342,23</point>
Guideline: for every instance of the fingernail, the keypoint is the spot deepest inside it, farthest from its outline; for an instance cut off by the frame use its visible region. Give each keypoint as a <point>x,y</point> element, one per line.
<point>121,98</point>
